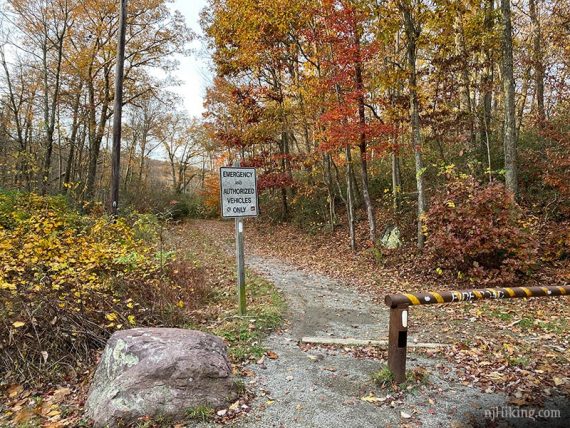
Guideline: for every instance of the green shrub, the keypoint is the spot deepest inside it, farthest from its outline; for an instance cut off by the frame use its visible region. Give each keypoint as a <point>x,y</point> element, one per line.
<point>309,209</point>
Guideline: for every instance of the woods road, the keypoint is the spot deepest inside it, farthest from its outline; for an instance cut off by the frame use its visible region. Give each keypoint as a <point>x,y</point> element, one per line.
<point>323,387</point>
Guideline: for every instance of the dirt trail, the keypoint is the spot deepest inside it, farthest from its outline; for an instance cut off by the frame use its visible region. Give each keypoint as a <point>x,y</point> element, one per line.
<point>324,388</point>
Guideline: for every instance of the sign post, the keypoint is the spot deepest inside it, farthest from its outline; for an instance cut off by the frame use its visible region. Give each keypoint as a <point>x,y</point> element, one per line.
<point>239,200</point>
<point>240,266</point>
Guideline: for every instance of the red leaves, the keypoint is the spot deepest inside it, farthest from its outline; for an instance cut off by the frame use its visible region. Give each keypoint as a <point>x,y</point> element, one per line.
<point>557,162</point>
<point>478,229</point>
<point>344,120</point>
<point>343,127</point>
<point>274,180</point>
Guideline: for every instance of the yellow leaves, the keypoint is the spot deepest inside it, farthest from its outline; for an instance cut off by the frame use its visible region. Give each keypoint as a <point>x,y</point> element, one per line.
<point>26,408</point>
<point>132,320</point>
<point>180,304</point>
<point>6,286</point>
<point>111,317</point>
<point>18,324</point>
<point>451,204</point>
<point>373,399</point>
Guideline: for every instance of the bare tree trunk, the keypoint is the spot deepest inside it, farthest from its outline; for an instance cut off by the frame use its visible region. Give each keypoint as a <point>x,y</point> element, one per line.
<point>349,200</point>
<point>395,155</point>
<point>50,108</point>
<point>330,189</point>
<point>79,170</point>
<point>129,164</point>
<point>362,143</point>
<point>487,89</point>
<point>144,139</point>
<point>396,180</point>
<point>72,140</point>
<point>412,33</point>
<point>509,137</point>
<point>464,89</point>
<point>538,61</point>
<point>283,149</point>
<point>522,101</point>
<point>96,131</point>
<point>117,111</point>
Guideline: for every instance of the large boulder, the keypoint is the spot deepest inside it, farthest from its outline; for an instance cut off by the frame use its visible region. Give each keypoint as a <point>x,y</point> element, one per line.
<point>159,372</point>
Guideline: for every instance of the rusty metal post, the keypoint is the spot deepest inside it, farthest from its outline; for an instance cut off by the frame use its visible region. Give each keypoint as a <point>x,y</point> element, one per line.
<point>397,342</point>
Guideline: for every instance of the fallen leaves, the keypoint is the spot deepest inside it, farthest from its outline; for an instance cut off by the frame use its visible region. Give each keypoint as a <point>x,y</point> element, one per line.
<point>373,399</point>
<point>57,408</point>
<point>511,346</point>
<point>60,394</point>
<point>271,355</point>
<point>15,390</point>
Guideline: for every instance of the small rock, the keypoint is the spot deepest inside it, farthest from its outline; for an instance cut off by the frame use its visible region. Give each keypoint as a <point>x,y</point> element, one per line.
<point>391,238</point>
<point>289,378</point>
<point>222,412</point>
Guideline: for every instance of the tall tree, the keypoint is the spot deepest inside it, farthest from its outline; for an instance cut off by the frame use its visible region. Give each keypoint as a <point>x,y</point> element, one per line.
<point>537,59</point>
<point>413,31</point>
<point>510,134</point>
<point>45,25</point>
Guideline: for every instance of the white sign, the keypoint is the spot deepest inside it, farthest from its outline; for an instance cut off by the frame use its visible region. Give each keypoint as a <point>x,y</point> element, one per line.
<point>238,192</point>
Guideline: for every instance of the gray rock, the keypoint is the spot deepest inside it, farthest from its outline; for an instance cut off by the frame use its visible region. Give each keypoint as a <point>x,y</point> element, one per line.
<point>391,238</point>
<point>159,372</point>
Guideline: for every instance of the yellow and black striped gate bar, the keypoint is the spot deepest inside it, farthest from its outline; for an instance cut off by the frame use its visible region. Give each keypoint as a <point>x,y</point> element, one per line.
<point>400,303</point>
<point>395,300</point>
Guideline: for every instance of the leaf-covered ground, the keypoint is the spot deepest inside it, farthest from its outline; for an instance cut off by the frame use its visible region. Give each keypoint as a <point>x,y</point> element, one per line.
<point>520,346</point>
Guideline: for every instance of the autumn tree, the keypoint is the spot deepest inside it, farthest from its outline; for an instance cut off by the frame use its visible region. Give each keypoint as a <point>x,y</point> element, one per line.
<point>59,72</point>
<point>412,29</point>
<point>509,136</point>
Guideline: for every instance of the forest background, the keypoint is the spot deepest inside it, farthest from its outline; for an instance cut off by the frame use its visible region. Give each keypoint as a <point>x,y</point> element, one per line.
<point>449,120</point>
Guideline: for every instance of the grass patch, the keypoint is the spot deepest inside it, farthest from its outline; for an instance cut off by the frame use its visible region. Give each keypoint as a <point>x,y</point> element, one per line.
<point>526,323</point>
<point>557,327</point>
<point>519,361</point>
<point>200,413</point>
<point>265,305</point>
<point>240,387</point>
<point>384,378</point>
<point>504,316</point>
<point>265,308</point>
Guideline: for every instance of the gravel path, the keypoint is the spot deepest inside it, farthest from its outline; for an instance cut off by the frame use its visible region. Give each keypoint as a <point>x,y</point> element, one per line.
<point>324,388</point>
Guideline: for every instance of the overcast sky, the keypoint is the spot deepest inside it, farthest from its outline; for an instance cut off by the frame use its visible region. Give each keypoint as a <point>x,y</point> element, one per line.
<point>193,71</point>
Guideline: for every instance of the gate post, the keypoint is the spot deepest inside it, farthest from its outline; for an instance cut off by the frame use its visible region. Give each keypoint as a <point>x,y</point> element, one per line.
<point>397,342</point>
